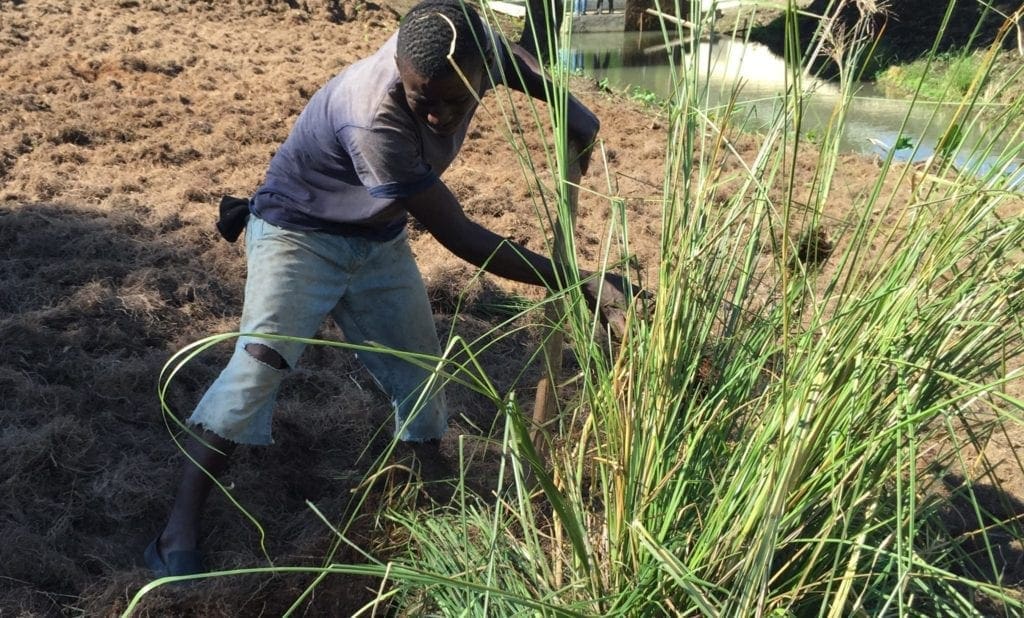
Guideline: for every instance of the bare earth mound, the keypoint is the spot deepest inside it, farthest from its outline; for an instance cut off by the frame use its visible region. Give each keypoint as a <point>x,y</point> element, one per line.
<point>121,124</point>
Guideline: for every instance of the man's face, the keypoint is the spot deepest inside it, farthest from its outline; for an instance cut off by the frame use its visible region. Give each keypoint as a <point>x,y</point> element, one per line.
<point>440,103</point>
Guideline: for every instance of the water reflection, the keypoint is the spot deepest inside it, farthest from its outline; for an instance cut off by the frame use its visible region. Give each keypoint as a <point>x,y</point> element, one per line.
<point>646,61</point>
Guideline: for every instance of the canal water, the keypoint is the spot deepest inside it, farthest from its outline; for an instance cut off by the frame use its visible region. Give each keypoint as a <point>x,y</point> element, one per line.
<point>640,62</point>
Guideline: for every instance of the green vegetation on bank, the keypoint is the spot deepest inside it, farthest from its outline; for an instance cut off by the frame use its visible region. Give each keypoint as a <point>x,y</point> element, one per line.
<point>951,75</point>
<point>944,77</point>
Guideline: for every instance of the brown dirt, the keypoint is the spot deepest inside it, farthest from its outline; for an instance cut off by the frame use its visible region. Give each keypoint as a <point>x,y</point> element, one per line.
<point>121,124</point>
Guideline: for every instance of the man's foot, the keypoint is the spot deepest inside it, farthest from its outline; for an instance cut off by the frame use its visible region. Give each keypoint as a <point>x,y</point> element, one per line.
<point>416,463</point>
<point>427,460</point>
<point>174,562</point>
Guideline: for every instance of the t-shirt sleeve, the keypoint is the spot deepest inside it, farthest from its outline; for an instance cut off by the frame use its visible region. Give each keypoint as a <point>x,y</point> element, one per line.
<point>388,162</point>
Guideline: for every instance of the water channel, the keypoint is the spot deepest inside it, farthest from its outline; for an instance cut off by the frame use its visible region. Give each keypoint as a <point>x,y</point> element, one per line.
<point>640,62</point>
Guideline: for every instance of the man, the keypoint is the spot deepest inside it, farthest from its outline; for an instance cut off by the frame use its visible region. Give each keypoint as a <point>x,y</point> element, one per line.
<point>326,235</point>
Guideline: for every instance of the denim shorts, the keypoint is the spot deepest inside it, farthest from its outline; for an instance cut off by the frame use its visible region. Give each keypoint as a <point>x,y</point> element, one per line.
<point>375,293</point>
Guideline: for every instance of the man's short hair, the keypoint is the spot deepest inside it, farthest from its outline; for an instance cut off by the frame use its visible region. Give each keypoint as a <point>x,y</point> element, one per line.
<point>426,33</point>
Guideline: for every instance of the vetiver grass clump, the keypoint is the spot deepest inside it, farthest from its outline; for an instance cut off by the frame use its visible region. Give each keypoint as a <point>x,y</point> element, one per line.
<point>797,482</point>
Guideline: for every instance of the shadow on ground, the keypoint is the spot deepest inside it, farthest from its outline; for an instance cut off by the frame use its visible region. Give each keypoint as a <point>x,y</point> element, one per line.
<point>94,303</point>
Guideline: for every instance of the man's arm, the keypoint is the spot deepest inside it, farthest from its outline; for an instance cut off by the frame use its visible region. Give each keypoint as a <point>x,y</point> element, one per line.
<point>438,210</point>
<point>523,73</point>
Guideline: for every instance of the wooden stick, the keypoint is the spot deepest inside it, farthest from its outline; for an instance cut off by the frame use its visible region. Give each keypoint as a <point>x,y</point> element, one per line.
<point>545,401</point>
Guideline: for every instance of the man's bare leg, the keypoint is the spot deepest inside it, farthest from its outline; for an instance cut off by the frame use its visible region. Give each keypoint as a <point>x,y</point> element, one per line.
<point>182,529</point>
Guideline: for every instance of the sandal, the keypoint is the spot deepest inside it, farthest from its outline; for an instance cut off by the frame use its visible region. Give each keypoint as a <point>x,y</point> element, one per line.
<point>180,562</point>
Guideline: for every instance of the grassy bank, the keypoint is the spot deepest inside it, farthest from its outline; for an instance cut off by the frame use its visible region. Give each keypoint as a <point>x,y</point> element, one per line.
<point>952,75</point>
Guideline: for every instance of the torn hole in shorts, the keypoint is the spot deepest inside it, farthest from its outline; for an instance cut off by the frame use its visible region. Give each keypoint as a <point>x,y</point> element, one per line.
<point>266,355</point>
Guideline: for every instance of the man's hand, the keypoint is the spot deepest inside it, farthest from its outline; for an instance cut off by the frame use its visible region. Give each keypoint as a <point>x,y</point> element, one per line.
<point>607,297</point>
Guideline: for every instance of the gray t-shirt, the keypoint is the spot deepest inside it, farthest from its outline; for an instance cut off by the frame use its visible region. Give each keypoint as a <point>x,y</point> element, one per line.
<point>356,149</point>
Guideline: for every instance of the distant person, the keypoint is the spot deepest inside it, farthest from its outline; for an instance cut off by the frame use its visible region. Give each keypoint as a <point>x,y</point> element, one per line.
<point>611,6</point>
<point>326,235</point>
